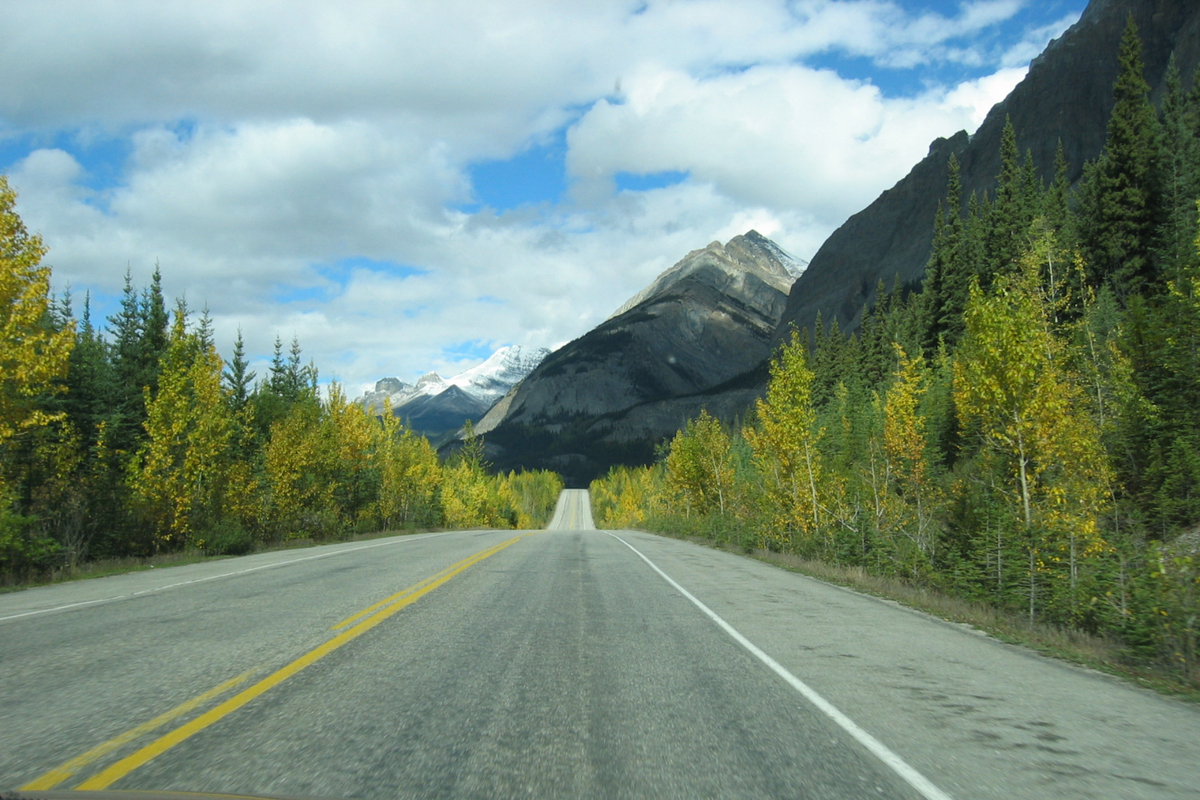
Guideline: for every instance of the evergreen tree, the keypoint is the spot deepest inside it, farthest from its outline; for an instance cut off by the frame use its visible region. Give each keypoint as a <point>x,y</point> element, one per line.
<point>1121,216</point>
<point>154,325</point>
<point>950,269</point>
<point>90,390</point>
<point>295,377</point>
<point>1180,180</point>
<point>1007,225</point>
<point>1056,203</point>
<point>238,376</point>
<point>128,408</point>
<point>278,379</point>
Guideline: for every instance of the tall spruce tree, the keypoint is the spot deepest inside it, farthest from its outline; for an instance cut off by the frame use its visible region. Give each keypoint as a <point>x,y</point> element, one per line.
<point>950,269</point>
<point>1007,227</point>
<point>128,408</point>
<point>1180,179</point>
<point>154,324</point>
<point>238,375</point>
<point>1121,216</point>
<point>90,391</point>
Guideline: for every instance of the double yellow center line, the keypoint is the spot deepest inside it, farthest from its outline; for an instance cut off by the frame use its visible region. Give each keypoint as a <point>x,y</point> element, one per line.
<point>362,622</point>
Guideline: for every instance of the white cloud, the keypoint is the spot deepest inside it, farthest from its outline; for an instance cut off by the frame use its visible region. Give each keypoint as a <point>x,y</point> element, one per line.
<point>268,141</point>
<point>804,140</point>
<point>1035,40</point>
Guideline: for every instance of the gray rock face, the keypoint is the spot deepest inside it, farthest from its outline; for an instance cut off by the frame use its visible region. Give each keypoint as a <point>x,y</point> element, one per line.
<point>440,415</point>
<point>1066,96</point>
<point>632,380</point>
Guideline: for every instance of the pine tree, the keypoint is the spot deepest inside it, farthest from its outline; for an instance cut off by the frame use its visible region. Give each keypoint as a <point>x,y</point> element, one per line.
<point>1121,215</point>
<point>278,379</point>
<point>238,377</point>
<point>1180,180</point>
<point>154,326</point>
<point>1056,203</point>
<point>90,391</point>
<point>125,428</point>
<point>950,268</point>
<point>296,379</point>
<point>1007,227</point>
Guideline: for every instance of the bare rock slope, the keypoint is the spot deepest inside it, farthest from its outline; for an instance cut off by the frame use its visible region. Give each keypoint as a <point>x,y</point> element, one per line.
<point>613,393</point>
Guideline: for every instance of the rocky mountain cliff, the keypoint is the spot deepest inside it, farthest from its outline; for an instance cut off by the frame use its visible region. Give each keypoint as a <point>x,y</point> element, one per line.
<point>1066,96</point>
<point>611,394</point>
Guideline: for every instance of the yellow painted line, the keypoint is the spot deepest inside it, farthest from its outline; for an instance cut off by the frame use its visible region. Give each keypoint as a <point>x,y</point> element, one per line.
<point>164,743</point>
<point>416,587</point>
<point>398,595</point>
<point>59,774</point>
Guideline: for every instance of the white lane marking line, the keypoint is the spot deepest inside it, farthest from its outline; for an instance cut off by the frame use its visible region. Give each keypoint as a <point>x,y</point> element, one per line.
<point>60,608</point>
<point>898,765</point>
<point>114,598</point>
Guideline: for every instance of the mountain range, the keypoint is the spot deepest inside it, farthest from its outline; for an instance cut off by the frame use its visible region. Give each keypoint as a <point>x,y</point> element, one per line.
<point>701,335</point>
<point>437,407</point>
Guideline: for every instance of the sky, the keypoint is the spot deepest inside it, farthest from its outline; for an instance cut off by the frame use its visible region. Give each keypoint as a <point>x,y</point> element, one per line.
<point>407,186</point>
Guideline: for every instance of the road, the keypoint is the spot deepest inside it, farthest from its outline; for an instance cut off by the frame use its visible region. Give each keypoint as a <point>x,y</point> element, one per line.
<point>561,663</point>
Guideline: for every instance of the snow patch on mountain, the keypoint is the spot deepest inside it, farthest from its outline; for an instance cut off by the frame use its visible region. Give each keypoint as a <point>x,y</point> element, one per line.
<point>487,382</point>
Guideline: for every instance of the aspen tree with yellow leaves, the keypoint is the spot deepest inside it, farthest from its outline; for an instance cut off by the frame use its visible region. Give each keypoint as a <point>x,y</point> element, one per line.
<point>33,356</point>
<point>1010,381</point>
<point>627,496</point>
<point>786,446</point>
<point>179,474</point>
<point>906,450</point>
<point>296,465</point>
<point>409,474</point>
<point>699,467</point>
<point>350,437</point>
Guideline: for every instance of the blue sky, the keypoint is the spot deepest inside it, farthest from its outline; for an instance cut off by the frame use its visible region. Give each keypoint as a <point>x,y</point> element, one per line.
<point>408,186</point>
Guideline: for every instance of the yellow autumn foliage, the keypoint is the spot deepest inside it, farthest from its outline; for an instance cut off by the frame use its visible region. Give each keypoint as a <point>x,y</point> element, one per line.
<point>180,470</point>
<point>786,447</point>
<point>33,358</point>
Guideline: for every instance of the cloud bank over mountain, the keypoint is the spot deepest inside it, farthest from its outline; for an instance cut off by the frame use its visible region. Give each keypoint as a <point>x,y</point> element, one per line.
<point>346,174</point>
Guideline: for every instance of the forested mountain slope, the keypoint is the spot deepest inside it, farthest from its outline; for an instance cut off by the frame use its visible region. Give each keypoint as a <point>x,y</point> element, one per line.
<point>1067,96</point>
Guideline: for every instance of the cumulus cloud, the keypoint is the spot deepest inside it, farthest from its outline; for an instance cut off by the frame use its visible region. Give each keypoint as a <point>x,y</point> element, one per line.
<point>304,168</point>
<point>804,139</point>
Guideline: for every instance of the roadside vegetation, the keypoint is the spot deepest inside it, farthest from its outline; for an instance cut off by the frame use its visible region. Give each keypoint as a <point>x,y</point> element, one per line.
<point>141,442</point>
<point>1020,433</point>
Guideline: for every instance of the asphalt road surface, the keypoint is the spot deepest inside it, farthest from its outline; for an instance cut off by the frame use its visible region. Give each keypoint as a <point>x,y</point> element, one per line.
<point>561,663</point>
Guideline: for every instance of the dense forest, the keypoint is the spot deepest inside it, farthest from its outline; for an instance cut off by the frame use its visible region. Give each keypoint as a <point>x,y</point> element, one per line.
<point>140,439</point>
<point>1021,429</point>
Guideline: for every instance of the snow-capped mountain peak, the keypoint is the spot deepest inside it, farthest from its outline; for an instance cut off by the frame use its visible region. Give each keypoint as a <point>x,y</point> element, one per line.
<point>486,383</point>
<point>503,369</point>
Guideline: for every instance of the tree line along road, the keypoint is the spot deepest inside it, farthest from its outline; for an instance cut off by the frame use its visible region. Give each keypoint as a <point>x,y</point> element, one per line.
<point>568,662</point>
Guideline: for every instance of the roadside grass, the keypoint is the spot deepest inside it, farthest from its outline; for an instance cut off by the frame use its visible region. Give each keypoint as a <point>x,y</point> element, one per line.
<point>104,567</point>
<point>1078,647</point>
